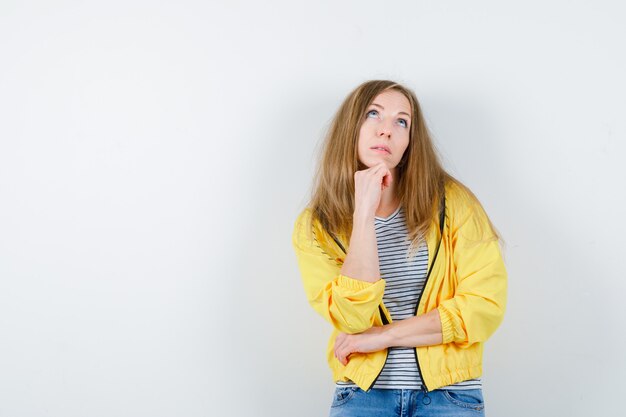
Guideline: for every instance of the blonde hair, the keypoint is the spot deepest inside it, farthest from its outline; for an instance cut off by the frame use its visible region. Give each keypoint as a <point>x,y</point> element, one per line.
<point>420,177</point>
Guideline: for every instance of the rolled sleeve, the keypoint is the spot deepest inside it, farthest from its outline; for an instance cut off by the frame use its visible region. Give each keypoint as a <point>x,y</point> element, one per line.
<point>349,304</point>
<point>478,306</point>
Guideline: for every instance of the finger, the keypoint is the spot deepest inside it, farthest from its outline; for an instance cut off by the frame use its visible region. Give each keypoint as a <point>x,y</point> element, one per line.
<point>387,179</point>
<point>343,358</point>
<point>340,354</point>
<point>344,352</point>
<point>383,170</point>
<point>339,350</point>
<point>383,174</point>
<point>339,341</point>
<point>380,168</point>
<point>340,345</point>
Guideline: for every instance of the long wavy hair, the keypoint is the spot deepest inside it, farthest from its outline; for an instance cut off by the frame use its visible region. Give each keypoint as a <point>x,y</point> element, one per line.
<point>420,177</point>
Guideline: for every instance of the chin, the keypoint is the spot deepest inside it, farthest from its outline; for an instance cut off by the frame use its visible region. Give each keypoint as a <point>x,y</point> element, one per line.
<point>377,161</point>
<point>370,164</point>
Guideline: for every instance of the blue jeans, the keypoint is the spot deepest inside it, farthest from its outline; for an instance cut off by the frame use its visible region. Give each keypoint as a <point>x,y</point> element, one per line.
<point>354,402</point>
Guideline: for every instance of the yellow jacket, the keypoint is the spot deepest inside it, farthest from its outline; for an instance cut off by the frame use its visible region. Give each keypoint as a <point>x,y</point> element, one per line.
<point>467,284</point>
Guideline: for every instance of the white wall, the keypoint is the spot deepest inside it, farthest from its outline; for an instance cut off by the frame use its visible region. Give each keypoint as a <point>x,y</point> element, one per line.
<point>154,155</point>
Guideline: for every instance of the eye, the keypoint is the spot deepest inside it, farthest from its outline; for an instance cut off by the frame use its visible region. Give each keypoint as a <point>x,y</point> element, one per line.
<point>406,124</point>
<point>371,111</point>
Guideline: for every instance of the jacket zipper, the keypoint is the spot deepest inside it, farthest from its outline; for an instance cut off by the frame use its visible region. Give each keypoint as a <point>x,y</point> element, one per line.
<point>385,321</point>
<point>441,224</point>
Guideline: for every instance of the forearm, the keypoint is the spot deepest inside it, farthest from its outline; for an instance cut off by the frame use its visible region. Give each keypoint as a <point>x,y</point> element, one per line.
<point>422,330</point>
<point>361,261</point>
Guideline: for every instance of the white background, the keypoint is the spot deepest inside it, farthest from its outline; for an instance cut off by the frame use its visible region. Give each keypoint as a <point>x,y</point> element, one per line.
<point>154,156</point>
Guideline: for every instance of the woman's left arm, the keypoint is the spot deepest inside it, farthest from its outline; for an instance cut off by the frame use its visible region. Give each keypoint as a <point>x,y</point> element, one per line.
<point>422,330</point>
<point>479,302</point>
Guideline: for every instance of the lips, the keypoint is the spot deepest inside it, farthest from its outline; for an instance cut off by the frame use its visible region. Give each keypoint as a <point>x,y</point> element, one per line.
<point>381,146</point>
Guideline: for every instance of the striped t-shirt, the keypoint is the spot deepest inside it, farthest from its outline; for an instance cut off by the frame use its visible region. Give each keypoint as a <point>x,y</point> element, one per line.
<point>404,282</point>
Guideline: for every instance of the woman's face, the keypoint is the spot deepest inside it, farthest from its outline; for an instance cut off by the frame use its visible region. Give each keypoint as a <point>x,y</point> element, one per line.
<point>387,124</point>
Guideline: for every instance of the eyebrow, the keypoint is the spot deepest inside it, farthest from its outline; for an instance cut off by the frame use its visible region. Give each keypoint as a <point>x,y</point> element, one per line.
<point>378,105</point>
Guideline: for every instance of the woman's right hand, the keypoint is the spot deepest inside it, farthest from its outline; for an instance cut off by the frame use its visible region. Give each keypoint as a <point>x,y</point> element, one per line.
<point>368,187</point>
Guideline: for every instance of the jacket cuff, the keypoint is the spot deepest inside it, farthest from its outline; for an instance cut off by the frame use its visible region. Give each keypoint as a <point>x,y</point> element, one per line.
<point>356,284</point>
<point>447,332</point>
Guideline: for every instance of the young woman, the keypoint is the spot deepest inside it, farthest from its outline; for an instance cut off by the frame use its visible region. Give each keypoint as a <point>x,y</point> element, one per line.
<point>402,260</point>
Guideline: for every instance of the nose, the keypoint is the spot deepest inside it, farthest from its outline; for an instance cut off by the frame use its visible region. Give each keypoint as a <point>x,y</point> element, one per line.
<point>384,129</point>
